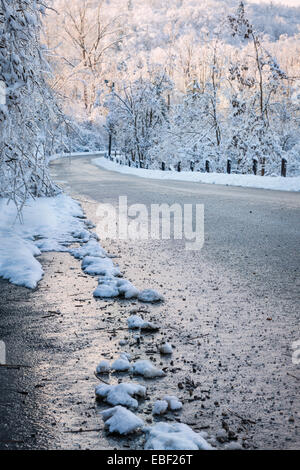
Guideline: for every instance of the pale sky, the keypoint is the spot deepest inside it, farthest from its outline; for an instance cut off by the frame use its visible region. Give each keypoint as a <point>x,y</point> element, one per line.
<point>291,3</point>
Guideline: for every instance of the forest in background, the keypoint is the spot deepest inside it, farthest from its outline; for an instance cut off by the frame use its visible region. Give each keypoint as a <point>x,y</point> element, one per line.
<point>187,82</point>
<point>190,82</point>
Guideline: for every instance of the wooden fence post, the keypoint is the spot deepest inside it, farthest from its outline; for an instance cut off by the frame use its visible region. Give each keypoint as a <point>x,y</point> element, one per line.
<point>254,167</point>
<point>283,167</point>
<point>109,143</point>
<point>263,166</point>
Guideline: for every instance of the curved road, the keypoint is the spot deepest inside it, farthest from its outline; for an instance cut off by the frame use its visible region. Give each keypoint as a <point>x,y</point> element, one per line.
<point>242,288</point>
<point>231,311</point>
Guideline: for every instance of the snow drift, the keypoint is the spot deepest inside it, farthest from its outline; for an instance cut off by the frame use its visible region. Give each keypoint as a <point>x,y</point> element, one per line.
<point>48,224</point>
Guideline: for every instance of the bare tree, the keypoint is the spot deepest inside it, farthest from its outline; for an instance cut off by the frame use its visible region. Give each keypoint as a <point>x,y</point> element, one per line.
<point>87,37</point>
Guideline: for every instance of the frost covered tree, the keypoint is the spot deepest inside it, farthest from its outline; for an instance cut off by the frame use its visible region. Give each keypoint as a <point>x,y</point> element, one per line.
<point>136,113</point>
<point>246,107</point>
<point>28,114</point>
<point>84,36</point>
<point>188,136</point>
<point>193,132</point>
<point>256,82</point>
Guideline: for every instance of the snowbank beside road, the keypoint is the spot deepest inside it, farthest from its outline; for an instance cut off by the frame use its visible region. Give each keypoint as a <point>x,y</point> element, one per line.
<point>250,181</point>
<point>48,224</point>
<point>53,224</point>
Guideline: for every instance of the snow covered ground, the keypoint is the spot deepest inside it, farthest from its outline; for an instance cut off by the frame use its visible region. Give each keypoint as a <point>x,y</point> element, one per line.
<point>48,224</point>
<point>51,224</point>
<point>54,224</point>
<point>251,181</point>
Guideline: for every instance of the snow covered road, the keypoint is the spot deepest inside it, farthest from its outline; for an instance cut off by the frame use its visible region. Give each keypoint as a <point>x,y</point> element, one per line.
<point>231,312</point>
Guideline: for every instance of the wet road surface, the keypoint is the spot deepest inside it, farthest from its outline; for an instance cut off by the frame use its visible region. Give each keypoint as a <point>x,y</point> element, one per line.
<point>231,311</point>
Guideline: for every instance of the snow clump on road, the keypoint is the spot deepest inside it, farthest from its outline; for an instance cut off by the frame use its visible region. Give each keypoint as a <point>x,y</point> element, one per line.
<point>160,407</point>
<point>147,369</point>
<point>168,403</point>
<point>121,394</point>
<point>135,321</point>
<point>173,403</point>
<point>91,248</point>
<point>110,286</point>
<point>177,436</point>
<point>121,364</point>
<point>103,367</point>
<point>150,295</point>
<point>121,420</point>
<point>101,266</point>
<point>165,348</point>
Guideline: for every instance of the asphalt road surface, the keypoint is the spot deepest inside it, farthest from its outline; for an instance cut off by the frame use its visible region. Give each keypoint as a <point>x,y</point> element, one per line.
<point>231,311</point>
